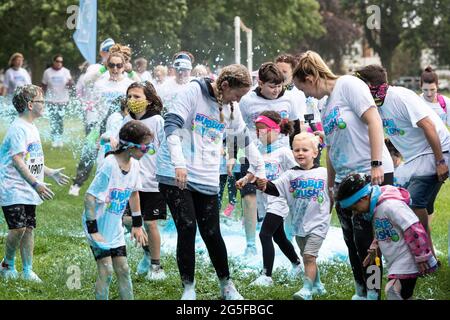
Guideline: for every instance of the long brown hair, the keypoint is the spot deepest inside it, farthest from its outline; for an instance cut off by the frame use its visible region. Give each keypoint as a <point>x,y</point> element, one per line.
<point>154,101</point>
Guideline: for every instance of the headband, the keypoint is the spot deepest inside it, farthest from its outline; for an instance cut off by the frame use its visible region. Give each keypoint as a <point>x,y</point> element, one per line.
<point>348,202</point>
<point>268,122</point>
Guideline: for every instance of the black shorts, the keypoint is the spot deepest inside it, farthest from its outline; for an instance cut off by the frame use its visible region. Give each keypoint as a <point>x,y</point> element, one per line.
<point>114,252</point>
<point>19,216</point>
<point>249,188</point>
<point>153,206</point>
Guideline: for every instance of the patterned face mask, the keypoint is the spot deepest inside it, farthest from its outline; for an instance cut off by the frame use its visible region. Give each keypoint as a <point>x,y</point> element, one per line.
<point>379,93</point>
<point>137,106</point>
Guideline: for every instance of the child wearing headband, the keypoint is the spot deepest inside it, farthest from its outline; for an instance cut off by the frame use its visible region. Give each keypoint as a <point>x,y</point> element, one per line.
<point>278,159</point>
<point>116,183</point>
<point>399,235</point>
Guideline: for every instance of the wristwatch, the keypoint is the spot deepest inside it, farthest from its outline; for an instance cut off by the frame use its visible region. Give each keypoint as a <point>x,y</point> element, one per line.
<point>442,161</point>
<point>376,163</point>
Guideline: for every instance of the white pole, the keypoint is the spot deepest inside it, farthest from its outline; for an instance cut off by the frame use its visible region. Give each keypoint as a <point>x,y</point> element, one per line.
<point>249,50</point>
<point>237,40</point>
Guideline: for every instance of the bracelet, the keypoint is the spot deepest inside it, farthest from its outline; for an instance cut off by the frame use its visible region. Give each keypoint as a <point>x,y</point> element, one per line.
<point>136,221</point>
<point>35,184</point>
<point>439,162</point>
<point>91,226</point>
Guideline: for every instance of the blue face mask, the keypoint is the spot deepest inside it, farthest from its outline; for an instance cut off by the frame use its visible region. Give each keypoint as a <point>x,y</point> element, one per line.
<point>376,192</point>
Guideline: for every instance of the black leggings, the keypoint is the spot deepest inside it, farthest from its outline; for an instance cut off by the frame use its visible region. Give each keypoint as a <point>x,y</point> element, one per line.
<point>358,236</point>
<point>272,227</point>
<point>188,209</point>
<point>232,191</point>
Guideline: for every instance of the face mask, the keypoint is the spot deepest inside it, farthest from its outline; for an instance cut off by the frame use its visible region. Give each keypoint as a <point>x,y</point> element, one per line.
<point>379,93</point>
<point>137,106</point>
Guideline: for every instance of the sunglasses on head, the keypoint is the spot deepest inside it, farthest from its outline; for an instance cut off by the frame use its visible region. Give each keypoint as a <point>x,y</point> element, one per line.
<point>142,147</point>
<point>113,65</point>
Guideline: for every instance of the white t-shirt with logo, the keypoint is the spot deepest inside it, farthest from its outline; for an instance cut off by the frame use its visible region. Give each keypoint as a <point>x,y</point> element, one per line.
<point>306,192</point>
<point>401,111</point>
<point>436,107</point>
<point>148,162</point>
<point>252,105</point>
<point>391,219</point>
<point>21,138</point>
<point>56,82</point>
<point>347,136</point>
<point>112,190</point>
<point>277,160</point>
<point>15,78</point>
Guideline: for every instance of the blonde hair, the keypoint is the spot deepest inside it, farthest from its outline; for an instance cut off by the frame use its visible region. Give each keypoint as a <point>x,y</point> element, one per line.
<point>161,68</point>
<point>199,71</point>
<point>237,76</point>
<point>315,141</point>
<point>124,50</point>
<point>311,64</point>
<point>14,57</point>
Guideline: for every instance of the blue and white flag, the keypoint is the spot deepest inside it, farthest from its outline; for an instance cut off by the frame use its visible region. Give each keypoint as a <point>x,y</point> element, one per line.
<point>85,35</point>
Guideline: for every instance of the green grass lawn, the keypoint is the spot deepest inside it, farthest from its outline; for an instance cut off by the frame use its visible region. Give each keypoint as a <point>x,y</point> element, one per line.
<point>60,248</point>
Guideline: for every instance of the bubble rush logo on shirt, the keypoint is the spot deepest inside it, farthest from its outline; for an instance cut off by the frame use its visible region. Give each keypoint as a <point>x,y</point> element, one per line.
<point>384,230</point>
<point>308,189</point>
<point>333,121</point>
<point>390,128</point>
<point>211,128</point>
<point>117,200</point>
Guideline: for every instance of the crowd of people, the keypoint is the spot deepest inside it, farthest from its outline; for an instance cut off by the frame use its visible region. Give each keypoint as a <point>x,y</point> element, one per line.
<point>166,144</point>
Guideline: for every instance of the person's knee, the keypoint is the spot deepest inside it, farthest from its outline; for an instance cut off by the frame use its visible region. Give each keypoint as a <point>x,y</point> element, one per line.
<point>105,272</point>
<point>122,270</point>
<point>264,237</point>
<point>309,259</point>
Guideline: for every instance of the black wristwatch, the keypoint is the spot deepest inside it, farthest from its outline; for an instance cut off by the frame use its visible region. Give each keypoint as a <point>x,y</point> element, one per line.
<point>376,163</point>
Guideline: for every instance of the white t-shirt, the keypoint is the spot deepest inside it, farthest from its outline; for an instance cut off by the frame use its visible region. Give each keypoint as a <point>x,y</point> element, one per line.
<point>252,104</point>
<point>145,76</point>
<point>168,92</point>
<point>22,137</point>
<point>306,192</point>
<point>15,78</point>
<point>402,176</point>
<point>436,107</point>
<point>113,125</point>
<point>347,136</point>
<point>391,219</point>
<point>56,82</point>
<point>106,91</point>
<point>277,159</point>
<point>299,98</point>
<point>112,190</point>
<point>401,111</point>
<point>148,162</point>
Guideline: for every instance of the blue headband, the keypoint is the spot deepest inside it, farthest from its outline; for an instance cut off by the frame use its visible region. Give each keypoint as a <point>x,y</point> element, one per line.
<point>348,202</point>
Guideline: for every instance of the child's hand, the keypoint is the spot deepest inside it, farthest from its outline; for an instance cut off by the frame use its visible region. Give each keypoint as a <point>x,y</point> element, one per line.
<point>241,182</point>
<point>423,267</point>
<point>43,191</point>
<point>261,184</point>
<point>140,235</point>
<point>60,178</point>
<point>114,143</point>
<point>97,237</point>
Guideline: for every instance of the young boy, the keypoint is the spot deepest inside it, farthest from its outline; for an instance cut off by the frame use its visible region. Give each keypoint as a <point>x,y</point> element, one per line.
<point>22,185</point>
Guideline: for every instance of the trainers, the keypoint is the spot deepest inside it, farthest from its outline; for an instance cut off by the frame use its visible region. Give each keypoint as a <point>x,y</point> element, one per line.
<point>74,190</point>
<point>189,292</point>
<point>262,281</point>
<point>229,292</point>
<point>357,297</point>
<point>31,276</point>
<point>7,271</point>
<point>228,210</point>
<point>303,294</point>
<point>318,289</point>
<point>156,273</point>
<point>372,295</point>
<point>250,251</point>
<point>143,266</point>
<point>296,271</point>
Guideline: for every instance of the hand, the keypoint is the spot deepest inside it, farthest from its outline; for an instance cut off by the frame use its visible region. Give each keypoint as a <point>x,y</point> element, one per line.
<point>181,177</point>
<point>261,184</point>
<point>97,237</point>
<point>44,192</point>
<point>60,178</point>
<point>370,259</point>
<point>241,182</point>
<point>230,166</point>
<point>442,171</point>
<point>423,267</point>
<point>139,235</point>
<point>128,67</point>
<point>114,143</point>
<point>377,175</point>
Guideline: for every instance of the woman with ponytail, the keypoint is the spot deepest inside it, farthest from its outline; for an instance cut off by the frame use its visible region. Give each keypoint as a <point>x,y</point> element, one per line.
<point>355,143</point>
<point>429,82</point>
<point>188,167</point>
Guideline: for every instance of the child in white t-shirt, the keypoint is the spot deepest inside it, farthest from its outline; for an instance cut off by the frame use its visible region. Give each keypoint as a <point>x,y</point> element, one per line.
<point>278,159</point>
<point>306,190</point>
<point>399,235</point>
<point>22,186</point>
<point>116,183</point>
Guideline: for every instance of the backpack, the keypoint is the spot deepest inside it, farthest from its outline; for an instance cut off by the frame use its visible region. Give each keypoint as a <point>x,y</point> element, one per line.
<point>441,101</point>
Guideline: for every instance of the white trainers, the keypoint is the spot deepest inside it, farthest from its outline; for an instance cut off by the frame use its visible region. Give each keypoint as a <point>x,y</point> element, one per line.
<point>31,276</point>
<point>262,281</point>
<point>156,273</point>
<point>143,266</point>
<point>319,289</point>
<point>250,251</point>
<point>229,292</point>
<point>8,272</point>
<point>296,271</point>
<point>189,292</point>
<point>74,190</point>
<point>303,294</point>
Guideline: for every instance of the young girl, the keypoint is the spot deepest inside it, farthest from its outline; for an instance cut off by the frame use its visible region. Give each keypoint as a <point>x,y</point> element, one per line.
<point>354,138</point>
<point>146,106</point>
<point>429,83</point>
<point>398,233</point>
<point>188,168</point>
<point>115,184</point>
<point>305,189</point>
<point>278,159</point>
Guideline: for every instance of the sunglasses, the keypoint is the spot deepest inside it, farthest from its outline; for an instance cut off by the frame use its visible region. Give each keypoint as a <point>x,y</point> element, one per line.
<point>144,148</point>
<point>113,65</point>
<point>38,101</point>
